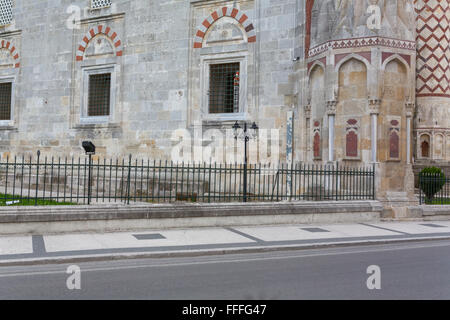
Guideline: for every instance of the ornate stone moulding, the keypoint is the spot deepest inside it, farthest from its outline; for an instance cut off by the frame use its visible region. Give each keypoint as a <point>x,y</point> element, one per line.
<point>362,42</point>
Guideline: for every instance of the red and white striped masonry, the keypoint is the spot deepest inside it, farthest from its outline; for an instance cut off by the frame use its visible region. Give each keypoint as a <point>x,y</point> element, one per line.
<point>101,29</point>
<point>12,49</point>
<point>224,12</point>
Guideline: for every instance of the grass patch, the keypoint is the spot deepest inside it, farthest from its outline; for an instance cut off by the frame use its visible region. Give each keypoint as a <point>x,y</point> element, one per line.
<point>30,202</point>
<point>437,201</point>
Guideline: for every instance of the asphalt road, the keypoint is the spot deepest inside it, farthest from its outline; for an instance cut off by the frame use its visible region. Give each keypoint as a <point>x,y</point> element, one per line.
<point>419,270</point>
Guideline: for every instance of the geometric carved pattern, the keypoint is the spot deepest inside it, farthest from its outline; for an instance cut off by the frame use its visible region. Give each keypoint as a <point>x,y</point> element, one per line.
<point>224,12</point>
<point>5,44</point>
<point>94,32</point>
<point>362,42</point>
<point>433,52</point>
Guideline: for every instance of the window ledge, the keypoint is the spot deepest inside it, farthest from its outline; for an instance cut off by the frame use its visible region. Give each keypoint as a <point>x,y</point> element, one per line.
<point>7,125</point>
<point>352,158</point>
<point>87,123</point>
<point>241,116</point>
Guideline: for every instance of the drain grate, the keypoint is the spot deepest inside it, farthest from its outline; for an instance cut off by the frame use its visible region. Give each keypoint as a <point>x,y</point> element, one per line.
<point>149,236</point>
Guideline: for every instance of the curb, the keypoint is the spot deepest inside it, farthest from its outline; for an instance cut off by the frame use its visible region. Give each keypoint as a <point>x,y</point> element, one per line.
<point>206,252</point>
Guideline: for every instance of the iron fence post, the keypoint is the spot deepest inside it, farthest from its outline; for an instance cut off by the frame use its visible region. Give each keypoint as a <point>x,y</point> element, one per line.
<point>337,181</point>
<point>89,180</point>
<point>420,189</point>
<point>37,178</point>
<point>129,180</point>
<point>373,182</point>
<point>245,165</point>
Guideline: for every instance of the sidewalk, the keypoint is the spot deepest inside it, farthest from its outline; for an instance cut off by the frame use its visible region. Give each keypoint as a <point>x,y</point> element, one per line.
<point>71,248</point>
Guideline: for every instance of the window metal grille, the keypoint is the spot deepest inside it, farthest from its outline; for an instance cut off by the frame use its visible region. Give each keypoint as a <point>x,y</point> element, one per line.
<point>224,88</point>
<point>5,12</point>
<point>100,3</point>
<point>5,100</point>
<point>99,94</point>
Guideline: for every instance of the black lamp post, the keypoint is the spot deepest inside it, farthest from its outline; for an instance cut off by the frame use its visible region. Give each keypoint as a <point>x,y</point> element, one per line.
<point>246,137</point>
<point>89,148</point>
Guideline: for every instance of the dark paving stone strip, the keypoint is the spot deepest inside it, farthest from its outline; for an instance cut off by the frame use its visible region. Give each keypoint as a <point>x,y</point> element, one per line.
<point>245,235</point>
<point>387,229</point>
<point>149,236</point>
<point>432,225</point>
<point>314,230</point>
<point>38,245</point>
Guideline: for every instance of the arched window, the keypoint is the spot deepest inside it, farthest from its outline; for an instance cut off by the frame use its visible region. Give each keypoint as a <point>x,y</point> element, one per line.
<point>425,149</point>
<point>424,146</point>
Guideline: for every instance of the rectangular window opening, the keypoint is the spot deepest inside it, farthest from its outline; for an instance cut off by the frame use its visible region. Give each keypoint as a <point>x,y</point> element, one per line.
<point>5,100</point>
<point>100,3</point>
<point>5,12</point>
<point>99,95</point>
<point>224,81</point>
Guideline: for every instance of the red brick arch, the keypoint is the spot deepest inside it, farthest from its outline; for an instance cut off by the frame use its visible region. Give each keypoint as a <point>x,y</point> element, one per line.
<point>234,13</point>
<point>92,33</point>
<point>12,50</point>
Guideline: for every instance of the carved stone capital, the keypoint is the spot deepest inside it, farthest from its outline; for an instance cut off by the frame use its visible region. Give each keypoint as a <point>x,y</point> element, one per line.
<point>331,107</point>
<point>410,106</point>
<point>374,105</point>
<point>307,111</point>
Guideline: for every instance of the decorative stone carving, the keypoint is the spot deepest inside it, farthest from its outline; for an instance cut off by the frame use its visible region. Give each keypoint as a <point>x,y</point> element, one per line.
<point>409,106</point>
<point>394,140</point>
<point>307,111</point>
<point>99,46</point>
<point>374,106</point>
<point>317,140</point>
<point>351,139</point>
<point>331,107</point>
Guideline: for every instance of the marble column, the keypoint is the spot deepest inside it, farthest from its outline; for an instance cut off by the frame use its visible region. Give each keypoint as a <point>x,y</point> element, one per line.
<point>307,112</point>
<point>331,111</point>
<point>409,115</point>
<point>374,105</point>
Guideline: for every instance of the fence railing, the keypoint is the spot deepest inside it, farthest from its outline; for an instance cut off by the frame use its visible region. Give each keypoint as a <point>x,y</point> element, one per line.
<point>434,189</point>
<point>79,181</point>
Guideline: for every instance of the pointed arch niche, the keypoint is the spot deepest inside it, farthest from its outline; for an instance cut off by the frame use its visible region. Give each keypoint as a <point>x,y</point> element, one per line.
<point>225,25</point>
<point>9,57</point>
<point>351,113</point>
<point>318,109</point>
<point>99,41</point>
<point>392,117</point>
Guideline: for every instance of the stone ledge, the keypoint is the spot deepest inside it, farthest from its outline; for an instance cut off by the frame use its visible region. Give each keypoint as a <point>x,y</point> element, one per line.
<point>435,210</point>
<point>429,212</point>
<point>176,211</point>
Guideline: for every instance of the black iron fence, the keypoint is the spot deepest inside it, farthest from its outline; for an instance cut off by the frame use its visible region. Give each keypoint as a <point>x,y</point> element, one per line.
<point>44,181</point>
<point>434,189</point>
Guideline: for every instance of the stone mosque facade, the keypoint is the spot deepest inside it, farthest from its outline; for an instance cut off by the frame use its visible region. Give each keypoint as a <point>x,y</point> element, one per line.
<point>126,74</point>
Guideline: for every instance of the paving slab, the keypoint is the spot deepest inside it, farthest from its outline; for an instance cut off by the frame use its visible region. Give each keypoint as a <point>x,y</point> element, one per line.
<point>16,245</point>
<point>71,242</point>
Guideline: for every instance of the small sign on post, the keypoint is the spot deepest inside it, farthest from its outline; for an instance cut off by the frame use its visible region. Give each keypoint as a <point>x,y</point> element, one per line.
<point>89,148</point>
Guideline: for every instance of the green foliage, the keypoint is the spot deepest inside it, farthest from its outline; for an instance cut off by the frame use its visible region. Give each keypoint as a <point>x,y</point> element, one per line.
<point>29,202</point>
<point>432,180</point>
